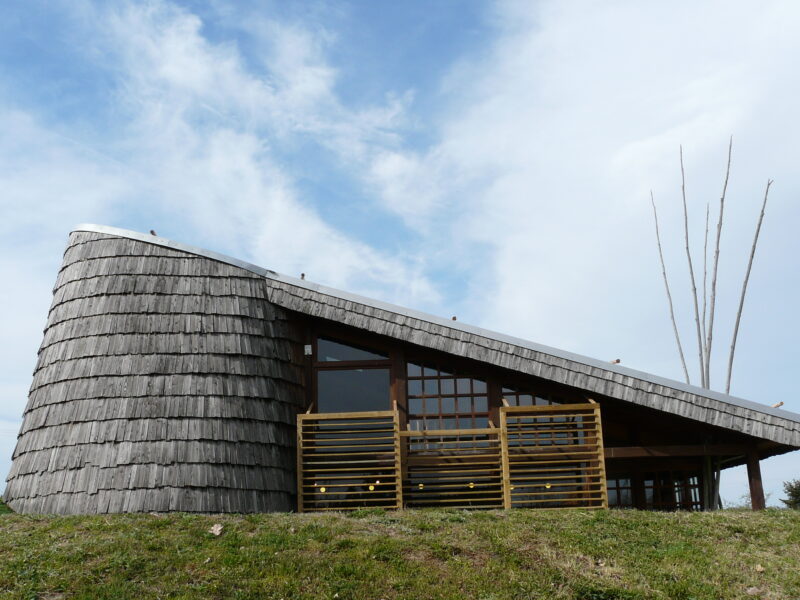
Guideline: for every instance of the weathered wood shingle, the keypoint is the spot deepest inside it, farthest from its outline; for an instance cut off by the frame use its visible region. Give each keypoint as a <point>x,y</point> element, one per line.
<point>165,381</point>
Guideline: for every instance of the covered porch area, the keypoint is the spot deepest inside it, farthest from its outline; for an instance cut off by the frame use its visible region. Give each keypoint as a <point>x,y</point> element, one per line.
<point>538,457</point>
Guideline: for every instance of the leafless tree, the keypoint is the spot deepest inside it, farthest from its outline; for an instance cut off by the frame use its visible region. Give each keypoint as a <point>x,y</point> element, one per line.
<point>705,316</point>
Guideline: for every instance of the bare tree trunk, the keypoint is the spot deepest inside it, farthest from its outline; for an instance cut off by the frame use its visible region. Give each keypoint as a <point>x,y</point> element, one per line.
<point>744,287</point>
<point>713,300</point>
<point>705,279</point>
<point>700,343</point>
<point>669,295</point>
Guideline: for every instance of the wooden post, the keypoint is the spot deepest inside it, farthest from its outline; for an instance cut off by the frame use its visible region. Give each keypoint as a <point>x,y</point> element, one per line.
<point>601,457</point>
<point>299,466</point>
<point>399,476</point>
<point>708,483</point>
<point>504,457</point>
<point>754,477</point>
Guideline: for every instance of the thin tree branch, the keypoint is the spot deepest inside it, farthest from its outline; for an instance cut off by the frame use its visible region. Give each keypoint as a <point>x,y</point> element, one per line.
<point>669,295</point>
<point>744,288</point>
<point>691,275</point>
<point>713,300</point>
<point>705,284</point>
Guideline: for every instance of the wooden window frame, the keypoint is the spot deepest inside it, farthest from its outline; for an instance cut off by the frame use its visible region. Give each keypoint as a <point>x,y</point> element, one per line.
<point>348,337</point>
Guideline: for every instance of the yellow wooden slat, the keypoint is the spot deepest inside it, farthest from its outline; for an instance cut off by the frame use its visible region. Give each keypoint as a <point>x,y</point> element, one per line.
<point>449,432</point>
<point>375,414</point>
<point>550,408</point>
<point>555,477</point>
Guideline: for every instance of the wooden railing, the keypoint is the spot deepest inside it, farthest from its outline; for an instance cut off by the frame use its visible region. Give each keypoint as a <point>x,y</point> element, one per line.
<point>348,460</point>
<point>539,457</point>
<point>458,468</point>
<point>553,456</point>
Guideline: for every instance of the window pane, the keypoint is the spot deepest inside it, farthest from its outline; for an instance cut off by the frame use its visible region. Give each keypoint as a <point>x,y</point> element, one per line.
<point>430,372</point>
<point>448,405</point>
<point>414,387</point>
<point>481,404</point>
<point>414,370</point>
<point>465,405</point>
<point>431,387</point>
<point>478,386</point>
<point>352,390</point>
<point>448,386</point>
<point>415,406</point>
<point>463,386</point>
<point>432,406</point>
<point>329,350</point>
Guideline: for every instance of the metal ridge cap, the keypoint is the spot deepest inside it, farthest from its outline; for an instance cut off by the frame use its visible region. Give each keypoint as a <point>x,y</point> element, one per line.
<point>441,321</point>
<point>167,243</point>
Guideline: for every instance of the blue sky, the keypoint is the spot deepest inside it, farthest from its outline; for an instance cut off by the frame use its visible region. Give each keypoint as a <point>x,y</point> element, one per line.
<point>489,160</point>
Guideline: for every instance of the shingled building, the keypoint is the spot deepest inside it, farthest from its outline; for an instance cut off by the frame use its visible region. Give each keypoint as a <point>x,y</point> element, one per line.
<point>172,378</point>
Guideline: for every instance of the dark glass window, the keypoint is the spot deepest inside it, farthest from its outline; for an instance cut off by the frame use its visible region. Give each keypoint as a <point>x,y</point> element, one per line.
<point>331,351</point>
<point>518,397</point>
<point>620,492</point>
<point>352,390</point>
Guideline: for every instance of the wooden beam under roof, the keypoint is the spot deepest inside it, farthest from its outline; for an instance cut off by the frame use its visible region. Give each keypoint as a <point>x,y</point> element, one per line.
<point>678,450</point>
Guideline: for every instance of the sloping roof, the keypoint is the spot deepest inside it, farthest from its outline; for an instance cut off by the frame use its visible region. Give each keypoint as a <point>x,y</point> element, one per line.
<point>508,352</point>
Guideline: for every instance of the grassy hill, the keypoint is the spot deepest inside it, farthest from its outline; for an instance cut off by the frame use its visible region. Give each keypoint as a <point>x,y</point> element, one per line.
<point>587,555</point>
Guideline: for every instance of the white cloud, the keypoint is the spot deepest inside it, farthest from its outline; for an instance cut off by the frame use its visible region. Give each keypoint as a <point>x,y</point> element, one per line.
<point>204,127</point>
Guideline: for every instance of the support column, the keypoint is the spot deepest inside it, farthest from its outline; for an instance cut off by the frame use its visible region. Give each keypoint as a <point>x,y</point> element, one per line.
<point>754,478</point>
<point>708,483</point>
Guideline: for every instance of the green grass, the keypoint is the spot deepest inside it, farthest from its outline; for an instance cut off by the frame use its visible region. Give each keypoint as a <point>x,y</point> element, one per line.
<point>582,555</point>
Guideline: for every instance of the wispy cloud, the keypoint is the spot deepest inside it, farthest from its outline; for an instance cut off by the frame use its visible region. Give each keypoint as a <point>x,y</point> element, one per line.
<point>210,130</point>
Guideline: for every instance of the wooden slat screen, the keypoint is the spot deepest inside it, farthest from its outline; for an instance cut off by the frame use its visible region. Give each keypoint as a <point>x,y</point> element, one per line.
<point>453,468</point>
<point>553,456</point>
<point>540,457</point>
<point>348,461</point>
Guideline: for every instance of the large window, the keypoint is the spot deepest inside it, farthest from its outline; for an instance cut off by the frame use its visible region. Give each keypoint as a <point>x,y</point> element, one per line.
<point>350,377</point>
<point>439,398</point>
<point>672,490</point>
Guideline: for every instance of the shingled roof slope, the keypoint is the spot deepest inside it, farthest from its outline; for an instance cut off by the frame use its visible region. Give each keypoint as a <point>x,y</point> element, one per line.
<point>592,375</point>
